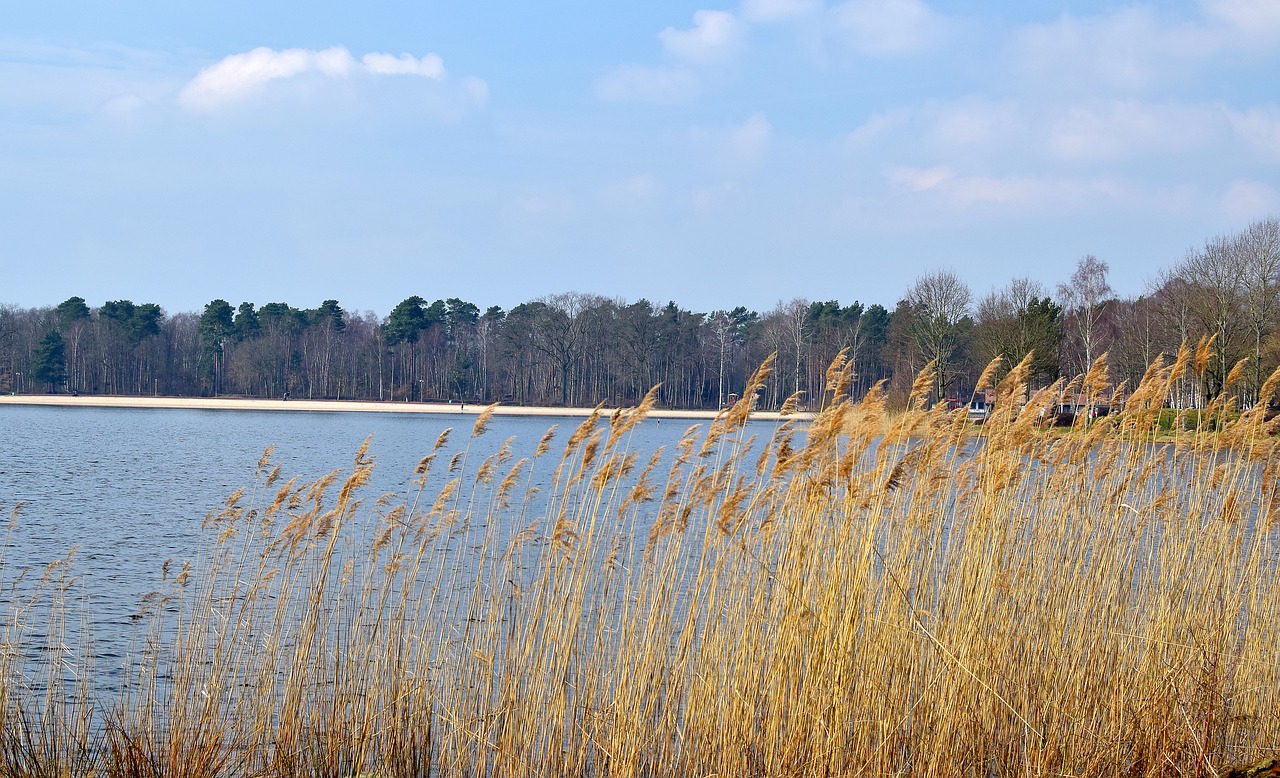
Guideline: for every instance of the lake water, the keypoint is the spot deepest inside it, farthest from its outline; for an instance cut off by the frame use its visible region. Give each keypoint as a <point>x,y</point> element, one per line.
<point>130,488</point>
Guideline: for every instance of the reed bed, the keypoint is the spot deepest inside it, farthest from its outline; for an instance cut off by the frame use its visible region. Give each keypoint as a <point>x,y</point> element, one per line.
<point>861,595</point>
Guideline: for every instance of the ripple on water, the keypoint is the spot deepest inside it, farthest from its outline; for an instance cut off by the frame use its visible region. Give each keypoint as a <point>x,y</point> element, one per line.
<point>130,488</point>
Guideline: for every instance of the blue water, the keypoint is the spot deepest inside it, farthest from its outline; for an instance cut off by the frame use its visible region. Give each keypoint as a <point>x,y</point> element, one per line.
<point>130,488</point>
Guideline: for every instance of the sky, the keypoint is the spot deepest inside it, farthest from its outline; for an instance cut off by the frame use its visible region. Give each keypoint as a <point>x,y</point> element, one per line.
<point>717,155</point>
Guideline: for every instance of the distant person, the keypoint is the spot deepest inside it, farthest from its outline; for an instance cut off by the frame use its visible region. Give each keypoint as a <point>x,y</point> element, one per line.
<point>286,397</point>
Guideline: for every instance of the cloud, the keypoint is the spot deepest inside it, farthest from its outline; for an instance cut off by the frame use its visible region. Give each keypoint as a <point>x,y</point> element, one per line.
<point>239,76</point>
<point>1004,190</point>
<point>1260,128</point>
<point>545,204</point>
<point>1142,46</point>
<point>765,11</point>
<point>476,89</point>
<point>430,66</point>
<point>961,192</point>
<point>888,27</point>
<point>637,83</point>
<point>975,132</point>
<point>976,123</point>
<point>877,127</point>
<point>971,129</point>
<point>749,138</point>
<point>1246,200</point>
<point>65,84</point>
<point>711,198</point>
<point>735,147</point>
<point>920,179</point>
<point>714,37</point>
<point>123,106</point>
<point>1129,49</point>
<point>1124,128</point>
<point>1256,21</point>
<point>636,189</point>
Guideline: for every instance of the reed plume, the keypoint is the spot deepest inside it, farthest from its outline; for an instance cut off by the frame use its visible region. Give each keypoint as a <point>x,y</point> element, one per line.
<point>851,595</point>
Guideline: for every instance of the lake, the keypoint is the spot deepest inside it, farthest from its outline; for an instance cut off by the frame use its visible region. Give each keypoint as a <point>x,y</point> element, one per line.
<point>130,488</point>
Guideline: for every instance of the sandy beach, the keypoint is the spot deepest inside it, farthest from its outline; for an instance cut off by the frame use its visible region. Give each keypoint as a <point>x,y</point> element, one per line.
<point>335,406</point>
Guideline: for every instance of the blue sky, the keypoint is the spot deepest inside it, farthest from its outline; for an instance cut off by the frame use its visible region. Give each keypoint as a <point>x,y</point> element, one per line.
<point>715,155</point>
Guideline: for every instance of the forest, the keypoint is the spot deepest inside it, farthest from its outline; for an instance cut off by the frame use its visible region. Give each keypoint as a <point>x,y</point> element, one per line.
<point>577,349</point>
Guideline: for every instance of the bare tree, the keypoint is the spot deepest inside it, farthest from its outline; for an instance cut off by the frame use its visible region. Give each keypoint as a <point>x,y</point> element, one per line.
<point>638,344</point>
<point>1172,299</point>
<point>792,320</point>
<point>728,330</point>
<point>938,305</point>
<point>1259,247</point>
<point>1084,299</point>
<point>1015,321</point>
<point>1216,293</point>
<point>1138,338</point>
<point>562,332</point>
<point>9,365</point>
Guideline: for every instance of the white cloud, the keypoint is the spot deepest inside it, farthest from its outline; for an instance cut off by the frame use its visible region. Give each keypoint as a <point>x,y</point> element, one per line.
<point>778,10</point>
<point>1007,190</point>
<point>1124,128</point>
<point>710,198</point>
<point>877,127</point>
<point>1129,49</point>
<point>636,189</point>
<point>335,61</point>
<point>1260,128</point>
<point>123,106</point>
<point>920,179</point>
<point>961,192</point>
<point>968,129</point>
<point>545,204</point>
<point>735,147</point>
<point>715,36</point>
<point>974,131</point>
<point>976,123</point>
<point>430,66</point>
<point>1252,20</point>
<point>1246,200</point>
<point>636,83</point>
<point>240,75</point>
<point>1142,46</point>
<point>103,80</point>
<point>750,138</point>
<point>476,89</point>
<point>888,27</point>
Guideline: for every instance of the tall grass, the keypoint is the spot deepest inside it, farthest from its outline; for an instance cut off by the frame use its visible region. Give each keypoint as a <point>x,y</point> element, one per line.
<point>861,595</point>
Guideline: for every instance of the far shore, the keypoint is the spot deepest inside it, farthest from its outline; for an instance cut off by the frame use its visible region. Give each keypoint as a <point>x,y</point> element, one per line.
<point>341,406</point>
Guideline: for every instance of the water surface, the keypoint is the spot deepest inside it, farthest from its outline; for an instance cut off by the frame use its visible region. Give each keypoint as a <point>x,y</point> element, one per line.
<point>130,488</point>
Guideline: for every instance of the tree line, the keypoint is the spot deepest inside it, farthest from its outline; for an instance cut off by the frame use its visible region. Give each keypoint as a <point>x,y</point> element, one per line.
<point>577,349</point>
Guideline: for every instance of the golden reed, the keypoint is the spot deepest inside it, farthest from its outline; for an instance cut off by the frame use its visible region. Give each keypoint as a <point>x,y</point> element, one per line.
<point>862,595</point>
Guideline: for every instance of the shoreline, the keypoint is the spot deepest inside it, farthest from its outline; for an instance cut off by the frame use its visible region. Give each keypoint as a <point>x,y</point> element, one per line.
<point>344,406</point>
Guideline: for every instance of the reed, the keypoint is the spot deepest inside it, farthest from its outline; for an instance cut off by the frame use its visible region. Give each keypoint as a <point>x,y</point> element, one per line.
<point>852,597</point>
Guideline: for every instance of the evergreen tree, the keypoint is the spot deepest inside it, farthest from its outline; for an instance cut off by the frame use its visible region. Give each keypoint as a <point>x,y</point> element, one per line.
<point>216,325</point>
<point>246,322</point>
<point>71,310</point>
<point>49,364</point>
<point>329,312</point>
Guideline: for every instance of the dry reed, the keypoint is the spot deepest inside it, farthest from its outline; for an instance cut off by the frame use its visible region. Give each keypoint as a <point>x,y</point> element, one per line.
<point>865,602</point>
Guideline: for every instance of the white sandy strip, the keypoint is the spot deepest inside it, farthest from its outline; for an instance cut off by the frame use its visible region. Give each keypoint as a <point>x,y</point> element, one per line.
<point>250,404</point>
